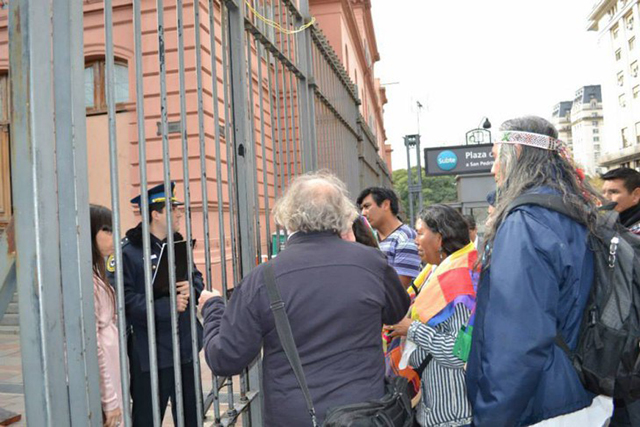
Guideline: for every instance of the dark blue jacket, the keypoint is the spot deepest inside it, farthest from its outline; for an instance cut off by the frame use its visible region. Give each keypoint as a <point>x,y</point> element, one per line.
<point>537,285</point>
<point>136,309</point>
<point>337,296</point>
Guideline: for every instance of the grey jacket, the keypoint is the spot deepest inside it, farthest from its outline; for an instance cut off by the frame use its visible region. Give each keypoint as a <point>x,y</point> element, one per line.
<point>337,296</point>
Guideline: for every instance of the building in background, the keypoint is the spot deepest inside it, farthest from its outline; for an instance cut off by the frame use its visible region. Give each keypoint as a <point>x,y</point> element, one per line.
<point>348,26</point>
<point>561,119</point>
<point>349,124</point>
<point>579,123</point>
<point>586,125</point>
<point>618,24</point>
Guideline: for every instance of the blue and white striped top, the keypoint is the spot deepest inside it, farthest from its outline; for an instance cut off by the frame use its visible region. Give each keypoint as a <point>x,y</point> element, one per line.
<point>402,252</point>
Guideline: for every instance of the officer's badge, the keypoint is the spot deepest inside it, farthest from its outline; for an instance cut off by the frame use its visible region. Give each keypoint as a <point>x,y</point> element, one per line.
<point>111,264</point>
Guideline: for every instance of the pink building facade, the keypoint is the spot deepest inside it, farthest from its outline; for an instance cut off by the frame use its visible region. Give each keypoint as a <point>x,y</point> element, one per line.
<point>348,27</point>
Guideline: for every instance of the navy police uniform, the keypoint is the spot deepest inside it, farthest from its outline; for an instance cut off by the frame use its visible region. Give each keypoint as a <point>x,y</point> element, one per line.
<point>136,315</point>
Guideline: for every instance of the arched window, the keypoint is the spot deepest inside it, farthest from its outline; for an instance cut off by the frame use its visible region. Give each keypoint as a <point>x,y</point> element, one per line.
<point>95,99</point>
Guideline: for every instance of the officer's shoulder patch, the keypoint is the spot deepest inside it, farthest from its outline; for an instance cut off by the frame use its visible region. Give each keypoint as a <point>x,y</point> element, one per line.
<point>111,264</point>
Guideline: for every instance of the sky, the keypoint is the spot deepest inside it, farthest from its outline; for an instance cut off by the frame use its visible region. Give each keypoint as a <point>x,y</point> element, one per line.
<point>469,59</point>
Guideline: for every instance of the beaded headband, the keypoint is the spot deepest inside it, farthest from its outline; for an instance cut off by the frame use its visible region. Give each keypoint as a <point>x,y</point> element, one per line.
<point>527,138</point>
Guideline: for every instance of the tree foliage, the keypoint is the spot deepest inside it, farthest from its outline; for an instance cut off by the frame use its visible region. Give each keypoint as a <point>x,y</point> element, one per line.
<point>435,189</point>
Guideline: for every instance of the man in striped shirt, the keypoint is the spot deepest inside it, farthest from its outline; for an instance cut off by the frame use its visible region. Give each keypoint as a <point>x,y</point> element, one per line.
<point>397,240</point>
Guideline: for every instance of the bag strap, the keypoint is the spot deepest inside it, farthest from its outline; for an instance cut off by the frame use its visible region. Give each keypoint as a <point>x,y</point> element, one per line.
<point>286,336</point>
<point>423,365</point>
<point>549,201</point>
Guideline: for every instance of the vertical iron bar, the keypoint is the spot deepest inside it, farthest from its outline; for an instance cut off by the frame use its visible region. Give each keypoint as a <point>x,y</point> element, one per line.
<point>144,212</point>
<point>33,176</point>
<point>229,138</point>
<point>306,103</point>
<point>204,182</point>
<point>115,203</point>
<point>250,375</point>
<point>243,149</point>
<point>285,109</point>
<point>295,137</point>
<point>254,174</point>
<point>187,200</point>
<point>280,131</point>
<point>285,115</point>
<point>202,146</point>
<point>220,195</point>
<point>295,134</point>
<point>263,143</point>
<point>274,132</point>
<point>73,207</point>
<point>166,161</point>
<point>244,158</point>
<point>225,84</point>
<point>280,124</point>
<point>252,141</point>
<point>283,170</point>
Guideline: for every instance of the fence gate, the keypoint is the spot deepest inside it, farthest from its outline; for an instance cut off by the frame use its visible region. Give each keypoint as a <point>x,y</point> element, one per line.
<point>232,100</point>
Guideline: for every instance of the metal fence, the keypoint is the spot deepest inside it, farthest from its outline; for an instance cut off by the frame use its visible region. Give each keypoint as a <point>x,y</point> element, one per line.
<point>272,101</point>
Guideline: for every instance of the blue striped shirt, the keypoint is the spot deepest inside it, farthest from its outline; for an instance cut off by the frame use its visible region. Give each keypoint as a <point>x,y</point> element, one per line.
<point>402,252</point>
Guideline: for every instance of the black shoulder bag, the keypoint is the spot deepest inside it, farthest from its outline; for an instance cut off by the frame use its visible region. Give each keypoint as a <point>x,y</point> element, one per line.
<point>393,410</point>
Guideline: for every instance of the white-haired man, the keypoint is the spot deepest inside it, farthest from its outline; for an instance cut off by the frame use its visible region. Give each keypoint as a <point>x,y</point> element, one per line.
<point>337,296</point>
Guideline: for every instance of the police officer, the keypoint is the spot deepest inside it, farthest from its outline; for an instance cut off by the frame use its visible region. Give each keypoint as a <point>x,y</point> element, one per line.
<point>136,314</point>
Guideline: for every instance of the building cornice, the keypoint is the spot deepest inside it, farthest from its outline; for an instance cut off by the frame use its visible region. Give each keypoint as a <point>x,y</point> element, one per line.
<point>353,29</point>
<point>600,10</point>
<point>369,28</point>
<point>352,24</point>
<point>624,155</point>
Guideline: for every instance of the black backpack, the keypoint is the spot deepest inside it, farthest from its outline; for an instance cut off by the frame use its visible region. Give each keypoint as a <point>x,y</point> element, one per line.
<point>607,357</point>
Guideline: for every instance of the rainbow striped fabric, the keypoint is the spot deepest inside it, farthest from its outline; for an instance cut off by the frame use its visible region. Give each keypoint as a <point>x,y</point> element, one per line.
<point>453,282</point>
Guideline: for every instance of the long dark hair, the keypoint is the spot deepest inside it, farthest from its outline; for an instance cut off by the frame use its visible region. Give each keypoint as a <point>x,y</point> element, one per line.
<point>100,221</point>
<point>363,233</point>
<point>532,167</point>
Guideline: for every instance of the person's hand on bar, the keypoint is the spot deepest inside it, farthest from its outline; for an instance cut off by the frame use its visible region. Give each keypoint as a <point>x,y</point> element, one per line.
<point>112,418</point>
<point>182,301</point>
<point>183,288</point>
<point>206,295</point>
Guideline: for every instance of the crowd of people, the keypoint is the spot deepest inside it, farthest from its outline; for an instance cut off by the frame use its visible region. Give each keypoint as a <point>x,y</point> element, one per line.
<point>470,321</point>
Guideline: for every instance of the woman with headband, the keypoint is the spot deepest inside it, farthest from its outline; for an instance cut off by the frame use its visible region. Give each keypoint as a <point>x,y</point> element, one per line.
<point>536,275</point>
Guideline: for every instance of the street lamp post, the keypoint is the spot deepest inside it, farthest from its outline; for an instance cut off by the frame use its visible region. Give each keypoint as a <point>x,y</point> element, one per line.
<point>409,180</point>
<point>411,141</point>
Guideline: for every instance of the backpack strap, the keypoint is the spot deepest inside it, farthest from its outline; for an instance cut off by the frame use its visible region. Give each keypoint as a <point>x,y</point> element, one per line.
<point>552,202</point>
<point>286,336</point>
<point>549,201</point>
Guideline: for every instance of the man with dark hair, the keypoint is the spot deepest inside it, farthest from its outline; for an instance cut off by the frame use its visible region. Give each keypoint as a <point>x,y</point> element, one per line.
<point>380,206</point>
<point>622,185</point>
<point>136,314</point>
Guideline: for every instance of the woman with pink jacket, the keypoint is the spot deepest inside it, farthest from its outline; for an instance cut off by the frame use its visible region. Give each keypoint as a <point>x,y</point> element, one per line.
<point>105,308</point>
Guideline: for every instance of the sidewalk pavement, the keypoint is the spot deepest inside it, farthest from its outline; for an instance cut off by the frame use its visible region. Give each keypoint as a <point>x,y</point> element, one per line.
<point>11,387</point>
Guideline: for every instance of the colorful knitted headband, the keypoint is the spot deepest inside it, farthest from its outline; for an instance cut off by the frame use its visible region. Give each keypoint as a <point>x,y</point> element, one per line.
<point>527,138</point>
